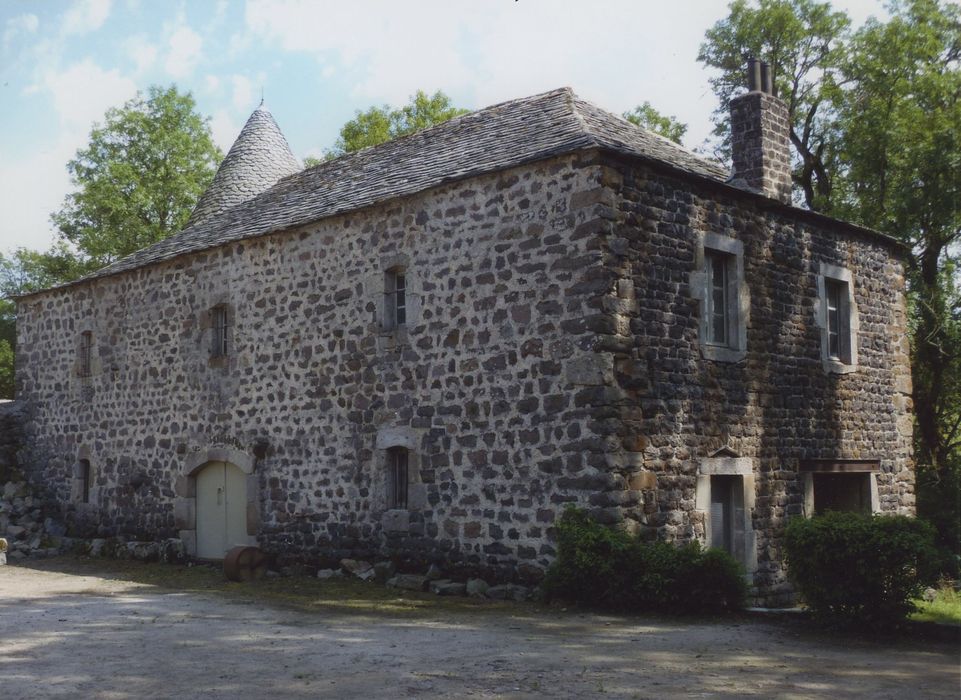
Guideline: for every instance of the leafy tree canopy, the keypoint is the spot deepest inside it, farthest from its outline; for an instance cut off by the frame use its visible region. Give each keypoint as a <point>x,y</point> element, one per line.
<point>649,118</point>
<point>802,40</point>
<point>139,177</point>
<point>383,123</point>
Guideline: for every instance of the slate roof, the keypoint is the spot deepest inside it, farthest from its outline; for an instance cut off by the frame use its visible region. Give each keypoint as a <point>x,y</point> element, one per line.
<point>258,159</point>
<point>498,137</point>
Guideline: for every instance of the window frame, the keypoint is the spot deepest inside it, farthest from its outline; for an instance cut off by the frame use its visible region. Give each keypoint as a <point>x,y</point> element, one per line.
<point>715,252</point>
<point>837,317</point>
<point>714,261</point>
<point>866,470</point>
<point>395,298</point>
<point>85,355</point>
<point>219,331</point>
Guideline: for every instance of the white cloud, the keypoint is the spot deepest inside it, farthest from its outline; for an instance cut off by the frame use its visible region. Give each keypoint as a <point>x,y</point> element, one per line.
<point>27,205</point>
<point>243,93</point>
<point>85,16</point>
<point>35,185</point>
<point>212,84</point>
<point>224,129</point>
<point>22,24</point>
<point>141,52</point>
<point>185,50</point>
<point>496,51</point>
<point>83,92</point>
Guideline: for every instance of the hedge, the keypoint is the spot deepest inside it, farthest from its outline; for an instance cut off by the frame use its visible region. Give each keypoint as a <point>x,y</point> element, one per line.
<point>855,568</point>
<point>608,568</point>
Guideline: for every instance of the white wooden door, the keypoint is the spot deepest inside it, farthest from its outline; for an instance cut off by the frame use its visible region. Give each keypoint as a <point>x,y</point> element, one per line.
<point>221,509</point>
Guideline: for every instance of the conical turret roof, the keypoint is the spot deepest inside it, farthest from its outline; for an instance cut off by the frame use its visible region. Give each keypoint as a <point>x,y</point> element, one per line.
<point>258,159</point>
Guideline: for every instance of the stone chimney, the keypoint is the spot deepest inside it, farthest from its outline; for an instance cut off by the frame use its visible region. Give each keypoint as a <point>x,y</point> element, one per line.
<point>760,137</point>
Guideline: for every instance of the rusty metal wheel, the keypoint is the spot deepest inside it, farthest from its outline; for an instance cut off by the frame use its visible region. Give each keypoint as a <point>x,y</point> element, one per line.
<point>245,564</point>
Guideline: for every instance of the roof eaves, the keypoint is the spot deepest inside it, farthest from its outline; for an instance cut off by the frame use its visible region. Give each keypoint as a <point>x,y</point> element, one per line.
<point>765,202</point>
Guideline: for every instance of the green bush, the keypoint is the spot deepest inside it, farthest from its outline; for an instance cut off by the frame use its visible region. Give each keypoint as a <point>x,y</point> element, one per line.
<point>850,567</point>
<point>608,568</point>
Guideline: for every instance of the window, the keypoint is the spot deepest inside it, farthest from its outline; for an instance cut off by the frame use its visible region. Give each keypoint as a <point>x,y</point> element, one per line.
<point>718,284</point>
<point>86,351</point>
<point>395,298</point>
<point>85,481</point>
<point>397,477</point>
<point>836,296</point>
<point>840,485</point>
<point>837,318</point>
<point>219,321</point>
<point>842,492</point>
<point>720,310</point>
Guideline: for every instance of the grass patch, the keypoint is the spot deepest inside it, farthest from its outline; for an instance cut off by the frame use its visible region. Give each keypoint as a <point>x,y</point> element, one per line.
<point>946,607</point>
<point>301,593</point>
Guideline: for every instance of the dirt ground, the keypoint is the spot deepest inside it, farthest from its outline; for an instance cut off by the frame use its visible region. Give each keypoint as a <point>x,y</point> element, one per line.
<point>80,628</point>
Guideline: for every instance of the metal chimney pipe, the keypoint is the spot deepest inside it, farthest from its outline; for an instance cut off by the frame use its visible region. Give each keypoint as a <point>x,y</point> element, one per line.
<point>753,74</point>
<point>766,82</point>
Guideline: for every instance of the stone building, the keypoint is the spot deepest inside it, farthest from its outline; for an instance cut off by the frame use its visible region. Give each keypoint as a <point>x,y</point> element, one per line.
<point>429,348</point>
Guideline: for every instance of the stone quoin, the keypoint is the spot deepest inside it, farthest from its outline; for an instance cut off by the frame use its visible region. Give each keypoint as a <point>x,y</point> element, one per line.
<point>427,349</point>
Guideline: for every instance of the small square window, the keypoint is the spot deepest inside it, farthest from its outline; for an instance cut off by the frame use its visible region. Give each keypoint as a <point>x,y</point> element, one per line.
<point>395,298</point>
<point>86,350</point>
<point>220,338</point>
<point>397,477</point>
<point>845,492</point>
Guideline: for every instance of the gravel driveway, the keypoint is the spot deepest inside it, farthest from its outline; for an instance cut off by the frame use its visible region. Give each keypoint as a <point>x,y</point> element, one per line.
<point>75,633</point>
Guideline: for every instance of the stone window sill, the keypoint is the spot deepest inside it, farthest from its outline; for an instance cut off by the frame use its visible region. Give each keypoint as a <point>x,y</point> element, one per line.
<point>837,367</point>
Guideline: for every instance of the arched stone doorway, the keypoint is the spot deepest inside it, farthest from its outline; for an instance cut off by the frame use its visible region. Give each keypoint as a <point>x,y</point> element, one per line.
<point>217,505</point>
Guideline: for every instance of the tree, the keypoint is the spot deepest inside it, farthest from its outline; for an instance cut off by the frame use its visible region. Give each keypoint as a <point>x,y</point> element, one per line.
<point>384,123</point>
<point>802,40</point>
<point>649,118</point>
<point>139,177</point>
<point>876,126</point>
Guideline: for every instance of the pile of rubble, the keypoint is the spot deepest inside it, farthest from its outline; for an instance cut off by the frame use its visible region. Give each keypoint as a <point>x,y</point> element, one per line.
<point>385,572</point>
<point>23,524</point>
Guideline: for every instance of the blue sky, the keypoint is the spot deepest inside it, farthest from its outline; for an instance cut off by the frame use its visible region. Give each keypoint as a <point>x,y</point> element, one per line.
<point>62,64</point>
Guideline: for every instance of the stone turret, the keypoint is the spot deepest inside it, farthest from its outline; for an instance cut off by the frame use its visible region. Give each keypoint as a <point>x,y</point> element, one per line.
<point>258,159</point>
<point>760,137</point>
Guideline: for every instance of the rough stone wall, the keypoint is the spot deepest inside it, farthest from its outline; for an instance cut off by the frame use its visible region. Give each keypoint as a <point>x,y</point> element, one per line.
<point>778,406</point>
<point>11,439</point>
<point>551,356</point>
<point>492,384</point>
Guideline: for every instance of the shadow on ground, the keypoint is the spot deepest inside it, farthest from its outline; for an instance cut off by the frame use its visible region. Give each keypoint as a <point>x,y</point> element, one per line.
<point>72,628</point>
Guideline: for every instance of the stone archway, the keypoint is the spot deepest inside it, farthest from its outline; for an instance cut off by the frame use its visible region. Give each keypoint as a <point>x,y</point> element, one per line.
<point>185,504</point>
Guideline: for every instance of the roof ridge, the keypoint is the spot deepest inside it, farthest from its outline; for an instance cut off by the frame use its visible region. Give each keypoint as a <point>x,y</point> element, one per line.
<point>476,113</point>
<point>505,135</point>
<point>573,100</point>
